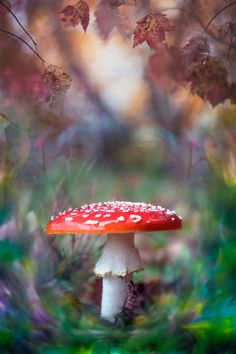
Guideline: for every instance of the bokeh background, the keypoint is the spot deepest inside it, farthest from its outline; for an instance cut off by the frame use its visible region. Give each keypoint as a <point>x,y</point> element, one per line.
<point>120,132</point>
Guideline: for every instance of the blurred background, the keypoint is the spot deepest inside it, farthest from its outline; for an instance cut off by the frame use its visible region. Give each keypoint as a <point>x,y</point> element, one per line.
<point>115,126</point>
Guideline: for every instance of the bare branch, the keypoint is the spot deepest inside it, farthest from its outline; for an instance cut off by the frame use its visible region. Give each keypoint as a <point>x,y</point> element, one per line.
<point>217,13</point>
<point>24,41</point>
<point>19,23</point>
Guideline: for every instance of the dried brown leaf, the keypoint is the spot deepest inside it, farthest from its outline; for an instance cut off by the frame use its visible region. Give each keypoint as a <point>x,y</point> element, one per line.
<point>56,83</point>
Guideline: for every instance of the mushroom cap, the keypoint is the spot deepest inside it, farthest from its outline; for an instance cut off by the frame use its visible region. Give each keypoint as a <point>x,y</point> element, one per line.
<point>114,217</point>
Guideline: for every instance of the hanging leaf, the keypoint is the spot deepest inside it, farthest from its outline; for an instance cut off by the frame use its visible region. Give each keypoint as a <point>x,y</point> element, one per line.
<point>226,32</point>
<point>209,79</point>
<point>105,18</point>
<point>124,26</point>
<point>163,70</point>
<point>108,18</point>
<point>195,48</point>
<point>56,83</point>
<point>152,29</point>
<point>72,15</point>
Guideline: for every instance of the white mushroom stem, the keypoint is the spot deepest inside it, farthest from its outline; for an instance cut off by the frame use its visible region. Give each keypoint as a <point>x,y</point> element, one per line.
<point>114,295</point>
<point>118,261</point>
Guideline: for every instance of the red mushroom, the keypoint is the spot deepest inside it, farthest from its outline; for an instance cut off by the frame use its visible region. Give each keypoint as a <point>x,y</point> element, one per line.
<point>120,258</point>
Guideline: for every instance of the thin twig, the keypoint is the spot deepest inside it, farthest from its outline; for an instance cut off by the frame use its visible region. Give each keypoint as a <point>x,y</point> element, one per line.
<point>210,33</point>
<point>24,41</point>
<point>19,23</point>
<point>217,13</point>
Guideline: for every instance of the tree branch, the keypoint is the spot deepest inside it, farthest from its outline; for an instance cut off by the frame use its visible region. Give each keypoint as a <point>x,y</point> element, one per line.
<point>24,41</point>
<point>19,23</point>
<point>217,13</point>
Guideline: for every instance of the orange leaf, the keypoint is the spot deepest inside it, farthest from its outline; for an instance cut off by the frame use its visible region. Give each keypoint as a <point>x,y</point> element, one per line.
<point>151,29</point>
<point>72,15</point>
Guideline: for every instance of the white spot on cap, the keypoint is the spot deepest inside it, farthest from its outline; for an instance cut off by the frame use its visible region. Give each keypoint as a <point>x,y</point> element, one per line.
<point>106,215</point>
<point>121,218</point>
<point>68,218</point>
<point>91,222</point>
<point>98,215</point>
<point>135,218</point>
<point>126,210</point>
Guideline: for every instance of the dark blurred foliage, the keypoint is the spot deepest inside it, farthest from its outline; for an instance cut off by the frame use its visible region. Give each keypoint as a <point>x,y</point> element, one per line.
<point>73,132</point>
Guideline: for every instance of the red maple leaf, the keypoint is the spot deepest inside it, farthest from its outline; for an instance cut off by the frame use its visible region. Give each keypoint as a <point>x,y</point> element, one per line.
<point>152,29</point>
<point>72,15</point>
<point>108,18</point>
<point>166,67</point>
<point>208,79</point>
<point>195,48</point>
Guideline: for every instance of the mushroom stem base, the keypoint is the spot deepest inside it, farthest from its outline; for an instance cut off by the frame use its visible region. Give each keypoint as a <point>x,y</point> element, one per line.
<point>114,296</point>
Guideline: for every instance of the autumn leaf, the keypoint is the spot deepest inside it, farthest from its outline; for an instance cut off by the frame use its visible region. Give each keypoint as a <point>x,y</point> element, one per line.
<point>56,83</point>
<point>208,79</point>
<point>152,29</point>
<point>108,18</point>
<point>158,69</point>
<point>195,48</point>
<point>226,32</point>
<point>206,75</point>
<point>72,15</point>
<point>124,26</point>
